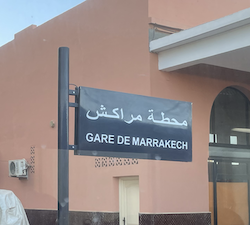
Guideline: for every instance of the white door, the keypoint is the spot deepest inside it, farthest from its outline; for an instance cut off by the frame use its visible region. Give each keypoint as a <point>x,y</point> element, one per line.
<point>129,200</point>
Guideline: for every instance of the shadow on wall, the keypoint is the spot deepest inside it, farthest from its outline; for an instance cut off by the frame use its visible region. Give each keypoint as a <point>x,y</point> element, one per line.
<point>216,72</point>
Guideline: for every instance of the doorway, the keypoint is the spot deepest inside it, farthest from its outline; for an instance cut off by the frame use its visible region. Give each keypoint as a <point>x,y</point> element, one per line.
<point>129,202</point>
<point>229,191</point>
<point>229,159</point>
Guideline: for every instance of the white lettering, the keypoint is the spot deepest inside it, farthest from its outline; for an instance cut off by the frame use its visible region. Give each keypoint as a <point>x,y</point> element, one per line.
<point>179,144</point>
<point>111,139</point>
<point>101,138</point>
<point>184,145</point>
<point>104,137</point>
<point>142,142</point>
<point>173,144</point>
<point>120,140</point>
<point>135,141</point>
<point>155,142</point>
<point>149,142</point>
<point>89,137</point>
<point>161,144</point>
<point>127,140</point>
<point>167,144</point>
<point>97,138</point>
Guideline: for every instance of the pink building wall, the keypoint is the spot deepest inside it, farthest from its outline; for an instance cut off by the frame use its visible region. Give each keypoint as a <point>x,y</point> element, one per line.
<point>108,43</point>
<point>108,49</point>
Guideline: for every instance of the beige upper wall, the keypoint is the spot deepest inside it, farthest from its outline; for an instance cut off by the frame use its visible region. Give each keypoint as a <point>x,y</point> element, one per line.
<point>189,13</point>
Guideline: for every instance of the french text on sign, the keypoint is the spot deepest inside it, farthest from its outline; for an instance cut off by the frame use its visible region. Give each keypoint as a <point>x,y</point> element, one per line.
<point>101,138</point>
<point>136,141</point>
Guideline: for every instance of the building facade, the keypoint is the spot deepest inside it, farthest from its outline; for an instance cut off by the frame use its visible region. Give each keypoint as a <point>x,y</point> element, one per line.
<point>128,46</point>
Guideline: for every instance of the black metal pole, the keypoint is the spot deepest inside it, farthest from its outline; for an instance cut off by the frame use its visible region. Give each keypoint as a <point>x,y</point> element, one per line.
<point>63,136</point>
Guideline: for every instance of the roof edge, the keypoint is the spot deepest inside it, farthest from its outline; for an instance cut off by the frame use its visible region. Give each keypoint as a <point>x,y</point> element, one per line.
<point>211,28</point>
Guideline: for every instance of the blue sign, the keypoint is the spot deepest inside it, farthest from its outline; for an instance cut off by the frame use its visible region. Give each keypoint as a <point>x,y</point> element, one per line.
<point>116,124</point>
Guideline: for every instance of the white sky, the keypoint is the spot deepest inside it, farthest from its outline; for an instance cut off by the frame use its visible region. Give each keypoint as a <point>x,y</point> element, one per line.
<point>15,15</point>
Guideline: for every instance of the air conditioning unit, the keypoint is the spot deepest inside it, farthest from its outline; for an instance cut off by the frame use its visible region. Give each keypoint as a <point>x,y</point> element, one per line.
<point>18,168</point>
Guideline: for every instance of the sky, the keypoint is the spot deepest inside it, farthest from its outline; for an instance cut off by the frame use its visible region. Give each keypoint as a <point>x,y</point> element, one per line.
<point>15,15</point>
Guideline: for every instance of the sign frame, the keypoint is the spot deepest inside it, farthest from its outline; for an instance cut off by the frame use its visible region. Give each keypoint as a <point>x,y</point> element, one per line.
<point>110,130</point>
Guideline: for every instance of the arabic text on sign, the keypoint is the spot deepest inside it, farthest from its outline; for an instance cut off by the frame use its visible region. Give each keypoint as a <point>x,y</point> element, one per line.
<point>118,114</point>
